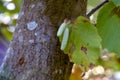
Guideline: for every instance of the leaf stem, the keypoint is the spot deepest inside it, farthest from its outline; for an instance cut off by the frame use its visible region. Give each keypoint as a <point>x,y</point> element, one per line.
<point>96,8</point>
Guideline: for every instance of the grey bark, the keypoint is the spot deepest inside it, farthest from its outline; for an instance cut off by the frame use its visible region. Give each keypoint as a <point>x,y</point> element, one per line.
<point>34,52</point>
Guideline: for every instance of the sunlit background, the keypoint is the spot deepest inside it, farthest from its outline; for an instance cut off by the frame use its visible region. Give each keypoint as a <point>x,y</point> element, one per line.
<point>9,10</point>
<point>108,64</point>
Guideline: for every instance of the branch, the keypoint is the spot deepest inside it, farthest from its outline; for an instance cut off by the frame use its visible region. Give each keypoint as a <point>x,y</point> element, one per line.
<point>96,8</point>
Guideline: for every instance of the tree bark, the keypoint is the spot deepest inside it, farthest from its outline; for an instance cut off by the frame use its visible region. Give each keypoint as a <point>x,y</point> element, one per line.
<point>34,52</point>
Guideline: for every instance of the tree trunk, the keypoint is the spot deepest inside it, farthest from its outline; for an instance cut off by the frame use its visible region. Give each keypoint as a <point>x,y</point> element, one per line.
<point>34,52</point>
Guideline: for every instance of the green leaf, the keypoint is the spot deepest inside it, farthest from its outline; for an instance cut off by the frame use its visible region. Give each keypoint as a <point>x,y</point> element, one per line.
<point>84,42</point>
<point>109,27</point>
<point>116,2</point>
<point>6,33</point>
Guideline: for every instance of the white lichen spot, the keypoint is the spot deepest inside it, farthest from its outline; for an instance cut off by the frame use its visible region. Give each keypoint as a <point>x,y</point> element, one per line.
<point>32,25</point>
<point>31,41</point>
<point>32,6</point>
<point>8,54</point>
<point>35,34</point>
<point>20,15</point>
<point>8,50</point>
<point>26,75</point>
<point>19,30</point>
<point>20,38</point>
<point>16,24</point>
<point>60,71</point>
<point>56,71</point>
<point>1,68</point>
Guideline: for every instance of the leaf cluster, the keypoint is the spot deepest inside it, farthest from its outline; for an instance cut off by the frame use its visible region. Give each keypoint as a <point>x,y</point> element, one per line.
<point>85,38</point>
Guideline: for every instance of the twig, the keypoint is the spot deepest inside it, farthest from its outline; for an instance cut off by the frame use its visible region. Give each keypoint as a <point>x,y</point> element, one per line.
<point>96,8</point>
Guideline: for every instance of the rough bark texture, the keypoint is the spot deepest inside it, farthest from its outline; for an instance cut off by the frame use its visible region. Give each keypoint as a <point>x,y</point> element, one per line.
<point>34,53</point>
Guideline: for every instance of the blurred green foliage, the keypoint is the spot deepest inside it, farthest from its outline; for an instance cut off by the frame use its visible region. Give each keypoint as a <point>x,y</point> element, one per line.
<point>8,16</point>
<point>109,27</point>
